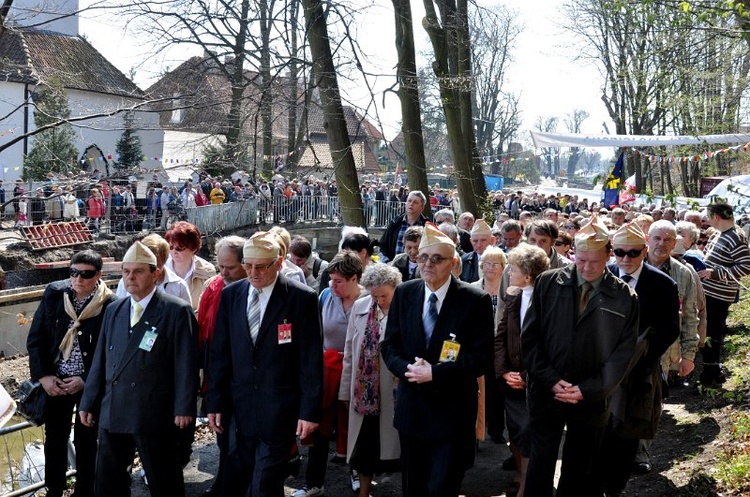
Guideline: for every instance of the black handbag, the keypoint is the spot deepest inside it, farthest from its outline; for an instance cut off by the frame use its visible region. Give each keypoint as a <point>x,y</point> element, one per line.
<point>31,402</point>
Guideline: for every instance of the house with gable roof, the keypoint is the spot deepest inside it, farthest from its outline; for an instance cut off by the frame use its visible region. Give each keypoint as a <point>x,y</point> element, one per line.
<point>194,100</point>
<point>52,48</point>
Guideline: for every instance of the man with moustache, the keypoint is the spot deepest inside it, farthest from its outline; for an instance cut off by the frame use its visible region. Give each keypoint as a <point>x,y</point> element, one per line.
<point>576,353</point>
<point>437,357</point>
<point>143,381</point>
<point>265,368</point>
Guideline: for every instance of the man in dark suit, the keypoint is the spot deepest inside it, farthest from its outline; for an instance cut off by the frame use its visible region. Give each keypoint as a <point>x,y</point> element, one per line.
<point>143,380</point>
<point>265,369</point>
<point>578,338</point>
<point>481,238</point>
<point>437,357</point>
<point>636,405</point>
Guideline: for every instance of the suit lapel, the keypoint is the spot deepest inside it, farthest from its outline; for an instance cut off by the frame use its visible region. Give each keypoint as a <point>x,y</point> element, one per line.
<point>150,319</point>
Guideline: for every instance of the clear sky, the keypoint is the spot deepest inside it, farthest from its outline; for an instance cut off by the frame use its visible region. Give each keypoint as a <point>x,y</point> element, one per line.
<point>549,81</point>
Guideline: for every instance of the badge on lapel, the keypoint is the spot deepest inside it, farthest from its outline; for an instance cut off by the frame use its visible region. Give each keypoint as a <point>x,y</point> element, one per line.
<point>450,350</point>
<point>148,340</point>
<point>285,333</point>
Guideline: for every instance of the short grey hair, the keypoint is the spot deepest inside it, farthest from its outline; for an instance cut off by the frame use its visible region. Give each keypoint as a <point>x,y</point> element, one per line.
<point>689,230</point>
<point>445,213</point>
<point>449,230</point>
<point>378,274</point>
<point>418,194</point>
<point>663,224</point>
<point>234,243</point>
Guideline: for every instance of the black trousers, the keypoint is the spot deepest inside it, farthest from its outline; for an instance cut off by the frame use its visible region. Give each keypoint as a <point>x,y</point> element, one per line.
<point>582,441</point>
<point>156,450</point>
<point>58,415</point>
<point>615,461</point>
<point>433,468</point>
<point>257,469</point>
<point>716,325</point>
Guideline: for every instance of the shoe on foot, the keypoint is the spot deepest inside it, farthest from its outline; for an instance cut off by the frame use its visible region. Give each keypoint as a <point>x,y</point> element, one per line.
<point>309,492</point>
<point>354,477</point>
<point>642,468</point>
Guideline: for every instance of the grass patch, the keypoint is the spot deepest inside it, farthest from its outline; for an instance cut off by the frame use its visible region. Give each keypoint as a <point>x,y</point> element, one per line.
<point>733,470</point>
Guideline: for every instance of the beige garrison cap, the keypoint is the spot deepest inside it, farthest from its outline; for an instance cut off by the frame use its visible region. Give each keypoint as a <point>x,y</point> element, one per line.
<point>433,236</point>
<point>592,236</point>
<point>629,234</point>
<point>262,245</point>
<point>138,252</point>
<point>481,228</point>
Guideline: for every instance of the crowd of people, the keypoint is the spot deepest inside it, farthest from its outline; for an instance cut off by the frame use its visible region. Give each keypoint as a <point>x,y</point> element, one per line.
<point>552,319</point>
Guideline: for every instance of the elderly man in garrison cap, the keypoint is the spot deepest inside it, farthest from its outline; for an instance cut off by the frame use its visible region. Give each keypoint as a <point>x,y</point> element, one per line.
<point>636,405</point>
<point>481,238</point>
<point>438,341</point>
<point>578,338</point>
<point>143,382</point>
<point>265,369</point>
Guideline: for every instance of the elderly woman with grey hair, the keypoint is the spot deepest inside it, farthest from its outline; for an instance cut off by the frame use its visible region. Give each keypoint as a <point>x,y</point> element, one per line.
<point>366,384</point>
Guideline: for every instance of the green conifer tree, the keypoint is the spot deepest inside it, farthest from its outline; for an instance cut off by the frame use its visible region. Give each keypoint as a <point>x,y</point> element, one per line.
<point>52,150</point>
<point>129,146</point>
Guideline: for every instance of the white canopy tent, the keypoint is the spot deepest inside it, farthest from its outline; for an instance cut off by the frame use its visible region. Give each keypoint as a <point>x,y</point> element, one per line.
<point>545,140</point>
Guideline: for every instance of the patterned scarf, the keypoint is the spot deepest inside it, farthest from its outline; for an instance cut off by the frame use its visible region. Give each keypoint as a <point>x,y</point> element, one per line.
<point>94,308</point>
<point>366,399</point>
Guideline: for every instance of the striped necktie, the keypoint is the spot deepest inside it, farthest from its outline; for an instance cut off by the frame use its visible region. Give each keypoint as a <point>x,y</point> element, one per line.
<point>253,314</point>
<point>430,318</point>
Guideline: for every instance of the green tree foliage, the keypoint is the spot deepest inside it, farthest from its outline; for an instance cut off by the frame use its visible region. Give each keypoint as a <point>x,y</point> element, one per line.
<point>53,149</point>
<point>128,146</point>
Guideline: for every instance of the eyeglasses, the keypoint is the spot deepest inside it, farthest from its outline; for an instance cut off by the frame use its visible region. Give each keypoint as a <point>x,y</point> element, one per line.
<point>177,249</point>
<point>258,267</point>
<point>434,259</point>
<point>701,242</point>
<point>86,274</point>
<point>570,227</point>
<point>559,243</point>
<point>632,253</point>
<point>493,265</point>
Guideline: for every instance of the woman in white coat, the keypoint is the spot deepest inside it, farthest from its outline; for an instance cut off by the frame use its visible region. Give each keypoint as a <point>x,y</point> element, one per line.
<point>366,384</point>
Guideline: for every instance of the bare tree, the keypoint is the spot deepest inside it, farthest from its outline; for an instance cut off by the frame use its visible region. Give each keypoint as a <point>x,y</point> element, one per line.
<point>446,23</point>
<point>551,154</point>
<point>573,123</point>
<point>324,74</point>
<point>497,117</point>
<point>408,94</point>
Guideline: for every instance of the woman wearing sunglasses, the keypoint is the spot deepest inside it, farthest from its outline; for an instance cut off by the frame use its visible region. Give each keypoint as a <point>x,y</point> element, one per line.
<point>184,243</point>
<point>61,345</point>
<point>563,245</point>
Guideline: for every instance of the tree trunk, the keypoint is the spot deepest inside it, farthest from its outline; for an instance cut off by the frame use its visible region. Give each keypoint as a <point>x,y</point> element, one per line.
<point>291,141</point>
<point>234,119</point>
<point>452,66</point>
<point>324,73</point>
<point>266,98</point>
<point>408,94</point>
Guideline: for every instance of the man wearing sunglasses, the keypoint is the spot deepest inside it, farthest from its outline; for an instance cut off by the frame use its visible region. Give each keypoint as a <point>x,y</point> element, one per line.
<point>61,344</point>
<point>438,341</point>
<point>636,405</point>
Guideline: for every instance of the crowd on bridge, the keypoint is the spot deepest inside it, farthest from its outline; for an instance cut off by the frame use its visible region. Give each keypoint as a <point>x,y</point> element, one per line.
<point>402,352</point>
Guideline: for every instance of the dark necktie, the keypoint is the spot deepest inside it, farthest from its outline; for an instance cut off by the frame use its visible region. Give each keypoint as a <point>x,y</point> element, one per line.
<point>430,318</point>
<point>586,291</point>
<point>626,278</point>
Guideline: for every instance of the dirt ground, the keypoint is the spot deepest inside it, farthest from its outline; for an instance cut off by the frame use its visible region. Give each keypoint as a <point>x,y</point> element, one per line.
<point>689,440</point>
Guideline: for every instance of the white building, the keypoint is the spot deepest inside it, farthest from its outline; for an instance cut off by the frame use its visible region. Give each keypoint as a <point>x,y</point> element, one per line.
<point>41,41</point>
